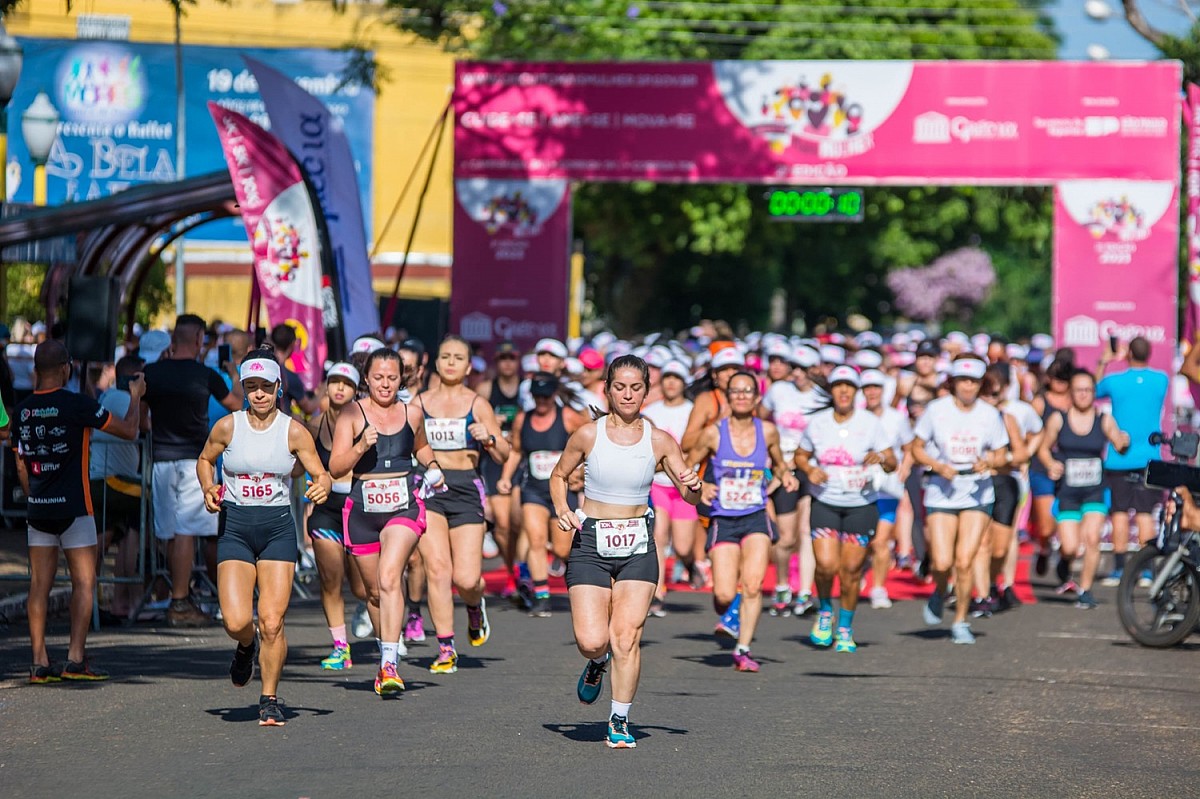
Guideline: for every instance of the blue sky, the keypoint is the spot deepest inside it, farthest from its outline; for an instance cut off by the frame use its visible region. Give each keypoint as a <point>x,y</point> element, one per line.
<point>1078,30</point>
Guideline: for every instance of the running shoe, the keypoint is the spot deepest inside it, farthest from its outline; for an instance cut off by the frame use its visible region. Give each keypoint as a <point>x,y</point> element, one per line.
<point>558,567</point>
<point>678,573</point>
<point>844,640</point>
<point>591,682</point>
<point>447,661</point>
<point>730,623</point>
<point>43,675</point>
<point>338,660</point>
<point>362,627</point>
<point>782,606</point>
<point>1041,564</point>
<point>981,608</point>
<point>1113,578</point>
<point>387,681</point>
<point>270,714</point>
<point>904,562</point>
<point>414,628</point>
<point>657,609</point>
<point>525,593</point>
<point>701,574</point>
<point>1063,570</point>
<point>478,629</point>
<point>1145,579</point>
<point>1086,601</point>
<point>960,633</point>
<point>490,549</point>
<point>803,605</point>
<point>743,662</point>
<point>185,613</point>
<point>541,608</point>
<point>1069,587</point>
<point>241,670</point>
<point>1011,600</point>
<point>880,599</point>
<point>619,736</point>
<point>822,629</point>
<point>82,671</point>
<point>934,608</point>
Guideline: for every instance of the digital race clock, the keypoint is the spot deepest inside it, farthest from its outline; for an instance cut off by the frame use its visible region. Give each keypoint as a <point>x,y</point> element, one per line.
<point>803,204</point>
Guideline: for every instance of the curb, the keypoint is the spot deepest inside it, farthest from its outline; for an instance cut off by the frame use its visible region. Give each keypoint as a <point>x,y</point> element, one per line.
<point>13,608</point>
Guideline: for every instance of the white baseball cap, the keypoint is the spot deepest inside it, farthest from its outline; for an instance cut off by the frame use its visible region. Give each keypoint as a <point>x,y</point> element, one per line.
<point>832,353</point>
<point>676,368</point>
<point>730,356</point>
<point>868,359</point>
<point>265,368</point>
<point>805,357</point>
<point>873,377</point>
<point>778,349</point>
<point>343,371</point>
<point>868,338</point>
<point>367,344</point>
<point>552,346</point>
<point>968,367</point>
<point>844,374</point>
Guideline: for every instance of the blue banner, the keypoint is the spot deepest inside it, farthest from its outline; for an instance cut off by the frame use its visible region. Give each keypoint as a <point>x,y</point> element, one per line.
<point>117,106</point>
<point>318,142</point>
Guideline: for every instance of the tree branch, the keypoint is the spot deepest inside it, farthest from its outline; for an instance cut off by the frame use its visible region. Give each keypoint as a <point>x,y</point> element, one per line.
<point>1140,24</point>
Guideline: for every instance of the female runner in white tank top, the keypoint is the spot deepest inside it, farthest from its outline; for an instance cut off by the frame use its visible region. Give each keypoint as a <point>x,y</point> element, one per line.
<point>256,546</point>
<point>613,569</point>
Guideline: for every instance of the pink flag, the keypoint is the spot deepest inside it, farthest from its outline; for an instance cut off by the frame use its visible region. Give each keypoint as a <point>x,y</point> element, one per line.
<point>282,227</point>
<point>1191,116</point>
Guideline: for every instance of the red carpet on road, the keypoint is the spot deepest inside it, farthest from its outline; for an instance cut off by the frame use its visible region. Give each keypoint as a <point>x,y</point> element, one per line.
<point>901,585</point>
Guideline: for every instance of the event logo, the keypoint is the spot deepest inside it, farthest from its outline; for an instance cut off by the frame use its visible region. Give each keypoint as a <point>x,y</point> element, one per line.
<point>279,247</point>
<point>820,112</point>
<point>511,213</point>
<point>102,83</point>
<point>934,128</point>
<point>1117,217</point>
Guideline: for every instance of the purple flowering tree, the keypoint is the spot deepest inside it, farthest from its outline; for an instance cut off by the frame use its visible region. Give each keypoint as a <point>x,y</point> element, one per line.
<point>953,286</point>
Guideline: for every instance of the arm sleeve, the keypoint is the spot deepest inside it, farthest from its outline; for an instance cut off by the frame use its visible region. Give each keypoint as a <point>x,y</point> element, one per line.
<point>1104,388</point>
<point>91,414</point>
<point>216,386</point>
<point>924,428</point>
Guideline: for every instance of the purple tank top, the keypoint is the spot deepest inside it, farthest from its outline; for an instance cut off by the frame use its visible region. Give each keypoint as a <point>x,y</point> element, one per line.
<point>741,479</point>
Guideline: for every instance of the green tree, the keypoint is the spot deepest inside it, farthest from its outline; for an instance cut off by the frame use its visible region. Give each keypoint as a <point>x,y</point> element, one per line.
<point>710,248</point>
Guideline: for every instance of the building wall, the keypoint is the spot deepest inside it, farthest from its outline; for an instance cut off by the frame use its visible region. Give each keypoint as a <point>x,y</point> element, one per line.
<point>417,88</point>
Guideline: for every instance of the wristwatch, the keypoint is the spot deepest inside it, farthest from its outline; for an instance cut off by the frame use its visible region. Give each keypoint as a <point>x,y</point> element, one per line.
<point>491,442</point>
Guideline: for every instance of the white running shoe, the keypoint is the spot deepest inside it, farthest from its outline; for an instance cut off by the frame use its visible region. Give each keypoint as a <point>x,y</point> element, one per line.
<point>490,549</point>
<point>879,598</point>
<point>362,627</point>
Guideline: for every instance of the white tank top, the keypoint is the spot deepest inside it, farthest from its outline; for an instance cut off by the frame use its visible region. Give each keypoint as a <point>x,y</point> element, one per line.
<point>257,465</point>
<point>671,419</point>
<point>619,475</point>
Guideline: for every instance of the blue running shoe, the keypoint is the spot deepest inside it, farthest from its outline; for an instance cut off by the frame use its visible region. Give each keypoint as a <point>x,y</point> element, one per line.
<point>619,736</point>
<point>730,624</point>
<point>591,681</point>
<point>822,629</point>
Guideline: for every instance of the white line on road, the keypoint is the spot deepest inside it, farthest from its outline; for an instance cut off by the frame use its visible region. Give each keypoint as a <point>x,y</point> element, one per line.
<point>1086,636</point>
<point>1119,724</point>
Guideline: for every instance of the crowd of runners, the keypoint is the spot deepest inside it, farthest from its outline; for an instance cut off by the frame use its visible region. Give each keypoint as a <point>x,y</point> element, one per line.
<point>781,473</point>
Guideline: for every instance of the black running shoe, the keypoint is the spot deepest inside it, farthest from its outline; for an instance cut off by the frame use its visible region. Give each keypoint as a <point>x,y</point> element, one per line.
<point>241,670</point>
<point>1041,564</point>
<point>1011,599</point>
<point>44,675</point>
<point>981,608</point>
<point>82,672</point>
<point>1062,570</point>
<point>270,714</point>
<point>541,608</point>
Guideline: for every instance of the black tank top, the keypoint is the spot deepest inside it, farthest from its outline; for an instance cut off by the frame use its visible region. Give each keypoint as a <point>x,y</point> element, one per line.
<point>553,439</point>
<point>390,454</point>
<point>506,406</point>
<point>1035,465</point>
<point>323,452</point>
<point>1092,444</point>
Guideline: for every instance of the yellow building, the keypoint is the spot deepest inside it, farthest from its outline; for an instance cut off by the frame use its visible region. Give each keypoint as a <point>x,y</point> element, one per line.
<point>418,85</point>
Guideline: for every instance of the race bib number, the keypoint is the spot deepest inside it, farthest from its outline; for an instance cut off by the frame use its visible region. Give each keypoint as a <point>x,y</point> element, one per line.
<point>964,448</point>
<point>1083,472</point>
<point>259,489</point>
<point>849,478</point>
<point>446,434</point>
<point>740,493</point>
<point>542,463</point>
<point>620,538</point>
<point>385,496</point>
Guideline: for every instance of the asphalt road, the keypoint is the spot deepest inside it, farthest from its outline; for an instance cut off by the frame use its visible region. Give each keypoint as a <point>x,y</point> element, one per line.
<point>1052,702</point>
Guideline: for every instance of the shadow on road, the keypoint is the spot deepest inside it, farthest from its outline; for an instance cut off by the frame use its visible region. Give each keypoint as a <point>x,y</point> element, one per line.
<point>250,712</point>
<point>596,731</point>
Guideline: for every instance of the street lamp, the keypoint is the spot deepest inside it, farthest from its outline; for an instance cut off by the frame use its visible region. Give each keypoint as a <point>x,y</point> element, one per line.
<point>39,127</point>
<point>11,59</point>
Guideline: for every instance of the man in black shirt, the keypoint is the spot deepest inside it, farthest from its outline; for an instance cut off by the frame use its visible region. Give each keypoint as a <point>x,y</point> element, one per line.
<point>283,338</point>
<point>53,426</point>
<point>177,392</point>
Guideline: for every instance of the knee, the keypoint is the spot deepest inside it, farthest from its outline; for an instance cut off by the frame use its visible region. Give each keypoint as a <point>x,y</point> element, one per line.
<point>466,578</point>
<point>940,563</point>
<point>623,642</point>
<point>372,596</point>
<point>236,626</point>
<point>270,627</point>
<point>964,562</point>
<point>592,645</point>
<point>722,597</point>
<point>437,568</point>
<point>752,589</point>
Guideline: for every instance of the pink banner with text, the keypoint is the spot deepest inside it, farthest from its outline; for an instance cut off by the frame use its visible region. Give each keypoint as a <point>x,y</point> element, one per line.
<point>1115,266</point>
<point>862,122</point>
<point>282,226</point>
<point>511,245</point>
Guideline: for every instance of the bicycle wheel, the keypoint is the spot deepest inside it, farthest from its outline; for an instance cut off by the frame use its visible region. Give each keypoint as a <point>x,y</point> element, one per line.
<point>1163,620</point>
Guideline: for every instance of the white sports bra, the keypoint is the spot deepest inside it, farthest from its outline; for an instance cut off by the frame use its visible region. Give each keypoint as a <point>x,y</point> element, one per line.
<point>257,466</point>
<point>619,475</point>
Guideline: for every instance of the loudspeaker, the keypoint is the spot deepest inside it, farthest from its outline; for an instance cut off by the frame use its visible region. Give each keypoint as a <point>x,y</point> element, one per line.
<point>92,309</point>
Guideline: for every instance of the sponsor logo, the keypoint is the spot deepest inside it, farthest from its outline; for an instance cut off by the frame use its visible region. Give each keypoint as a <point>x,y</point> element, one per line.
<point>1085,331</point>
<point>1118,217</point>
<point>476,327</point>
<point>62,431</point>
<point>39,431</point>
<point>1132,127</point>
<point>60,448</point>
<point>39,467</point>
<point>38,413</point>
<point>934,128</point>
<point>102,83</point>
